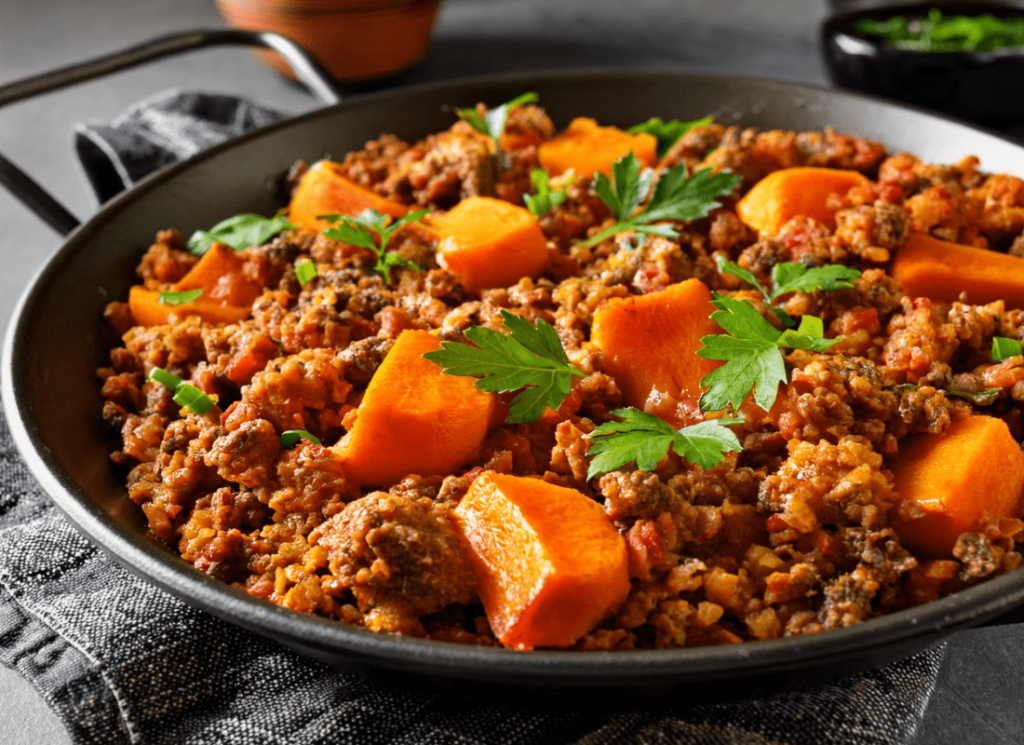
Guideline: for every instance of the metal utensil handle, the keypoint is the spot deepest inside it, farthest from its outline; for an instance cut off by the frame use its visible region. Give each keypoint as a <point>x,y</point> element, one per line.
<point>320,83</point>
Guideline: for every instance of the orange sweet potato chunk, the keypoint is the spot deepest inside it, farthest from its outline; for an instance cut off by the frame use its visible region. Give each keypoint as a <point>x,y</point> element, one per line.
<point>784,194</point>
<point>961,479</point>
<point>587,148</point>
<point>415,419</point>
<point>219,275</point>
<point>548,563</point>
<point>650,343</point>
<point>940,270</point>
<point>147,310</point>
<point>488,242</point>
<point>324,191</point>
<point>227,294</point>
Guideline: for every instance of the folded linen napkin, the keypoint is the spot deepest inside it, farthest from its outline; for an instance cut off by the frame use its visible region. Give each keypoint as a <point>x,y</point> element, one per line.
<point>120,661</point>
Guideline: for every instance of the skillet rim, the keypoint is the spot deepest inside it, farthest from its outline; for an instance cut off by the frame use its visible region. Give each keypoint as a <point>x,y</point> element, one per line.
<point>904,631</point>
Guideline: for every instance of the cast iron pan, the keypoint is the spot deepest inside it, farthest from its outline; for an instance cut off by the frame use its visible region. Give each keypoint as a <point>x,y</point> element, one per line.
<point>51,395</point>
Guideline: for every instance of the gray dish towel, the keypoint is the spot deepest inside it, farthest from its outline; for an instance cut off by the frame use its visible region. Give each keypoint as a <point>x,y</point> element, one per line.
<point>123,662</point>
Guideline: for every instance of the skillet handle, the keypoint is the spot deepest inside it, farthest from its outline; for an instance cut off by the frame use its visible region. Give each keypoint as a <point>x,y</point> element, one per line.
<point>320,83</point>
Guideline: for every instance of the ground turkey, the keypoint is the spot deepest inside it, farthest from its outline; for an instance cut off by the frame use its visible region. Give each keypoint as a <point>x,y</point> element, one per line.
<point>400,558</point>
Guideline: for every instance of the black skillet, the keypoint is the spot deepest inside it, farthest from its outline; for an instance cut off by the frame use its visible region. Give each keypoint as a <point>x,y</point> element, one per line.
<point>54,344</point>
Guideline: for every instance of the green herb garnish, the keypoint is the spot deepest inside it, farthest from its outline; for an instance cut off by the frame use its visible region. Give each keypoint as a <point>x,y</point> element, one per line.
<point>290,438</point>
<point>185,394</point>
<point>305,272</point>
<point>177,298</point>
<point>163,377</point>
<point>1003,348</point>
<point>370,229</point>
<point>941,33</point>
<point>240,231</point>
<point>668,132</point>
<point>544,200</point>
<point>527,357</point>
<point>982,398</point>
<point>752,351</point>
<point>188,395</point>
<point>646,439</point>
<point>793,277</point>
<point>677,196</point>
<point>492,123</point>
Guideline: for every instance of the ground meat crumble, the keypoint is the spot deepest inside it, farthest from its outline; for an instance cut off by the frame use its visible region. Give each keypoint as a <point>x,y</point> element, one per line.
<point>793,535</point>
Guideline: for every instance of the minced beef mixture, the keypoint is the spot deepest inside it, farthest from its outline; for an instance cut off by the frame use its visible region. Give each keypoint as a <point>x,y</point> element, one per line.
<point>791,535</point>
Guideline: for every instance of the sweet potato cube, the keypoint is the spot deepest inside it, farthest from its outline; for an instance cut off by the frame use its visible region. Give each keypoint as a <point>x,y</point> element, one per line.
<point>940,270</point>
<point>650,343</point>
<point>549,565</point>
<point>961,479</point>
<point>227,294</point>
<point>415,419</point>
<point>784,194</point>
<point>219,275</point>
<point>489,242</point>
<point>324,191</point>
<point>588,148</point>
<point>147,310</point>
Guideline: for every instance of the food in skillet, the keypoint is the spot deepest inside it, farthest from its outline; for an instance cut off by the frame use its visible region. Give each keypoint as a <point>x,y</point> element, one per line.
<point>600,389</point>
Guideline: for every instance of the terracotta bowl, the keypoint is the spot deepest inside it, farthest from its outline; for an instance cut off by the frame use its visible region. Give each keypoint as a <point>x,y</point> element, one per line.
<point>357,40</point>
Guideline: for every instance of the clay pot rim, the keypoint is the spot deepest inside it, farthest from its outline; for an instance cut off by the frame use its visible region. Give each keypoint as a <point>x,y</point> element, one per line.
<point>327,7</point>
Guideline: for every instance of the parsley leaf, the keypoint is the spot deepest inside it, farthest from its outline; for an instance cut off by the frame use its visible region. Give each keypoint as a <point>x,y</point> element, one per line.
<point>668,132</point>
<point>370,229</point>
<point>677,196</point>
<point>792,276</point>
<point>544,200</point>
<point>492,123</point>
<point>240,231</point>
<point>527,357</point>
<point>752,351</point>
<point>646,439</point>
<point>627,188</point>
<point>1003,348</point>
<point>730,267</point>
<point>177,298</point>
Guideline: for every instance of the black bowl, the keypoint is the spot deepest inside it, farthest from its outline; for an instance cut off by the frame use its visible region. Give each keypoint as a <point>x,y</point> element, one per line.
<point>983,87</point>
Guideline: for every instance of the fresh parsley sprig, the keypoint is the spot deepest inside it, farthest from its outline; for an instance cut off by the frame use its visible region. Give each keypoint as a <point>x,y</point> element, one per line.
<point>752,351</point>
<point>668,132</point>
<point>493,122</point>
<point>544,199</point>
<point>646,439</point>
<point>677,196</point>
<point>792,277</point>
<point>370,229</point>
<point>528,357</point>
<point>240,231</point>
